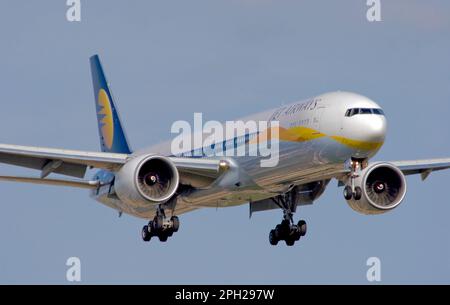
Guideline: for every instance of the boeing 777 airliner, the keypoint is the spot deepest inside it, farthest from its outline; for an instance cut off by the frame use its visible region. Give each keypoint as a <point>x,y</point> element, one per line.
<point>331,136</point>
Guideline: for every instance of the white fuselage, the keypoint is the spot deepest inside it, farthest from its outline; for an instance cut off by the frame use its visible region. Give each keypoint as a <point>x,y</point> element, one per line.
<point>317,134</point>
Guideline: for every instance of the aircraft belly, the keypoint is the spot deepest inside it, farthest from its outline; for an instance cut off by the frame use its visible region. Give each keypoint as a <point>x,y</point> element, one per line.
<point>297,161</point>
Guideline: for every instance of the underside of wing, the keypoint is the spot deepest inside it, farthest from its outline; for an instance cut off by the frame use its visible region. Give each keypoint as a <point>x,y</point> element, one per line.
<point>422,167</point>
<point>57,182</point>
<point>61,161</point>
<point>196,172</point>
<point>199,172</point>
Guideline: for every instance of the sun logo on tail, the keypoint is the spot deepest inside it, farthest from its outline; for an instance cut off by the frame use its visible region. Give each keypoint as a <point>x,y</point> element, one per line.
<point>105,117</point>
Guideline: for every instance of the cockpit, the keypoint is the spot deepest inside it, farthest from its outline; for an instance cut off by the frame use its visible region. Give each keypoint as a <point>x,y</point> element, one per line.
<point>354,111</point>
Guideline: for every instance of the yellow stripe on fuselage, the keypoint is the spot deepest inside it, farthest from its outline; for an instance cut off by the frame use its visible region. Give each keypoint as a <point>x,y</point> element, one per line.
<point>356,144</point>
<point>303,134</point>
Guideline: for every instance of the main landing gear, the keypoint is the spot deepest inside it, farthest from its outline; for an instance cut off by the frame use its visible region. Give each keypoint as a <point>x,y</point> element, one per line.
<point>161,226</point>
<point>287,230</point>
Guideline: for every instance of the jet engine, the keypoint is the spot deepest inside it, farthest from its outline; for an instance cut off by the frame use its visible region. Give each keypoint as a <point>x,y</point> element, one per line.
<point>382,187</point>
<point>146,179</point>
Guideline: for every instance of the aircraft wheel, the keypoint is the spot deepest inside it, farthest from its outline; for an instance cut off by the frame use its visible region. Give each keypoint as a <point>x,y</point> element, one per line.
<point>158,222</point>
<point>283,230</point>
<point>273,238</point>
<point>175,223</point>
<point>348,192</point>
<point>302,227</point>
<point>163,237</point>
<point>358,193</point>
<point>146,235</point>
<point>290,242</point>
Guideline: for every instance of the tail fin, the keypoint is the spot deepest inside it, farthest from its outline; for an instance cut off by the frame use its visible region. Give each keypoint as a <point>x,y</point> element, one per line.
<point>112,135</point>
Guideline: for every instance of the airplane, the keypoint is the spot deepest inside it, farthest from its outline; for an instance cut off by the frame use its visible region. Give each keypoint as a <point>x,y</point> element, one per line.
<point>330,136</point>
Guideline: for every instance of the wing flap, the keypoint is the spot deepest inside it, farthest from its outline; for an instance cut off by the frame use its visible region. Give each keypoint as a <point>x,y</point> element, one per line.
<point>199,172</point>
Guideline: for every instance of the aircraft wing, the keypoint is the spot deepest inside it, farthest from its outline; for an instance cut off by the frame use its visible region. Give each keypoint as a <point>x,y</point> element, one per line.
<point>61,161</point>
<point>75,162</point>
<point>58,182</point>
<point>409,167</point>
<point>422,167</point>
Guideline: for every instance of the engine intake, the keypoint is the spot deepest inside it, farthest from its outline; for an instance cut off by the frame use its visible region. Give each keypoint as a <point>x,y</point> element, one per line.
<point>383,188</point>
<point>157,179</point>
<point>146,179</point>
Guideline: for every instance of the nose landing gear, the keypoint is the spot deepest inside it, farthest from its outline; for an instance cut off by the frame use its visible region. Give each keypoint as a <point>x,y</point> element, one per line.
<point>351,191</point>
<point>355,194</point>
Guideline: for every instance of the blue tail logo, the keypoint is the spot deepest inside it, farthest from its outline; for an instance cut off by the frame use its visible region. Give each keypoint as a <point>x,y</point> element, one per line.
<point>112,135</point>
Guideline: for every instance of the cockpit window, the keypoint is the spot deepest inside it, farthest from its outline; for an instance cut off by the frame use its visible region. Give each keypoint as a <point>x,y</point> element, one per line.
<point>354,111</point>
<point>378,111</point>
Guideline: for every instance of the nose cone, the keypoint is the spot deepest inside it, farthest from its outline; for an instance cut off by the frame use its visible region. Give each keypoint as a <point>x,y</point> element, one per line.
<point>369,130</point>
<point>373,128</point>
<point>363,126</point>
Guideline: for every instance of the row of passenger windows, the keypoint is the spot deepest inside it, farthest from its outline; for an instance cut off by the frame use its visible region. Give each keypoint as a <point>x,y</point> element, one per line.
<point>221,146</point>
<point>355,111</point>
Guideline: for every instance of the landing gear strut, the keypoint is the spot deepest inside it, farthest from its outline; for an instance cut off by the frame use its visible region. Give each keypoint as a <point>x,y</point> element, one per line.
<point>161,226</point>
<point>287,230</point>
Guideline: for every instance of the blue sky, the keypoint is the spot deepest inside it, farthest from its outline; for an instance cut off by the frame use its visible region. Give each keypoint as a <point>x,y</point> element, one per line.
<point>168,59</point>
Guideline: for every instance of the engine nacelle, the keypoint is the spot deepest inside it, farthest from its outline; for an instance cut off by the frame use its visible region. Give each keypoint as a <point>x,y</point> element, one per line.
<point>146,179</point>
<point>383,188</point>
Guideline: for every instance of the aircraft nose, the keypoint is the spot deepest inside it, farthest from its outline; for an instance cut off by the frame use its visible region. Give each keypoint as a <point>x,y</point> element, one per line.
<point>365,125</point>
<point>374,128</point>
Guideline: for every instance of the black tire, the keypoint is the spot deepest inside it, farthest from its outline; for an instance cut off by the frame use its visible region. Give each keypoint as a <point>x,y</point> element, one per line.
<point>348,192</point>
<point>290,242</point>
<point>302,227</point>
<point>273,238</point>
<point>163,237</point>
<point>175,223</point>
<point>158,223</point>
<point>151,227</point>
<point>285,223</point>
<point>146,235</point>
<point>279,232</point>
<point>278,228</point>
<point>358,193</point>
<point>169,232</point>
<point>283,229</point>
